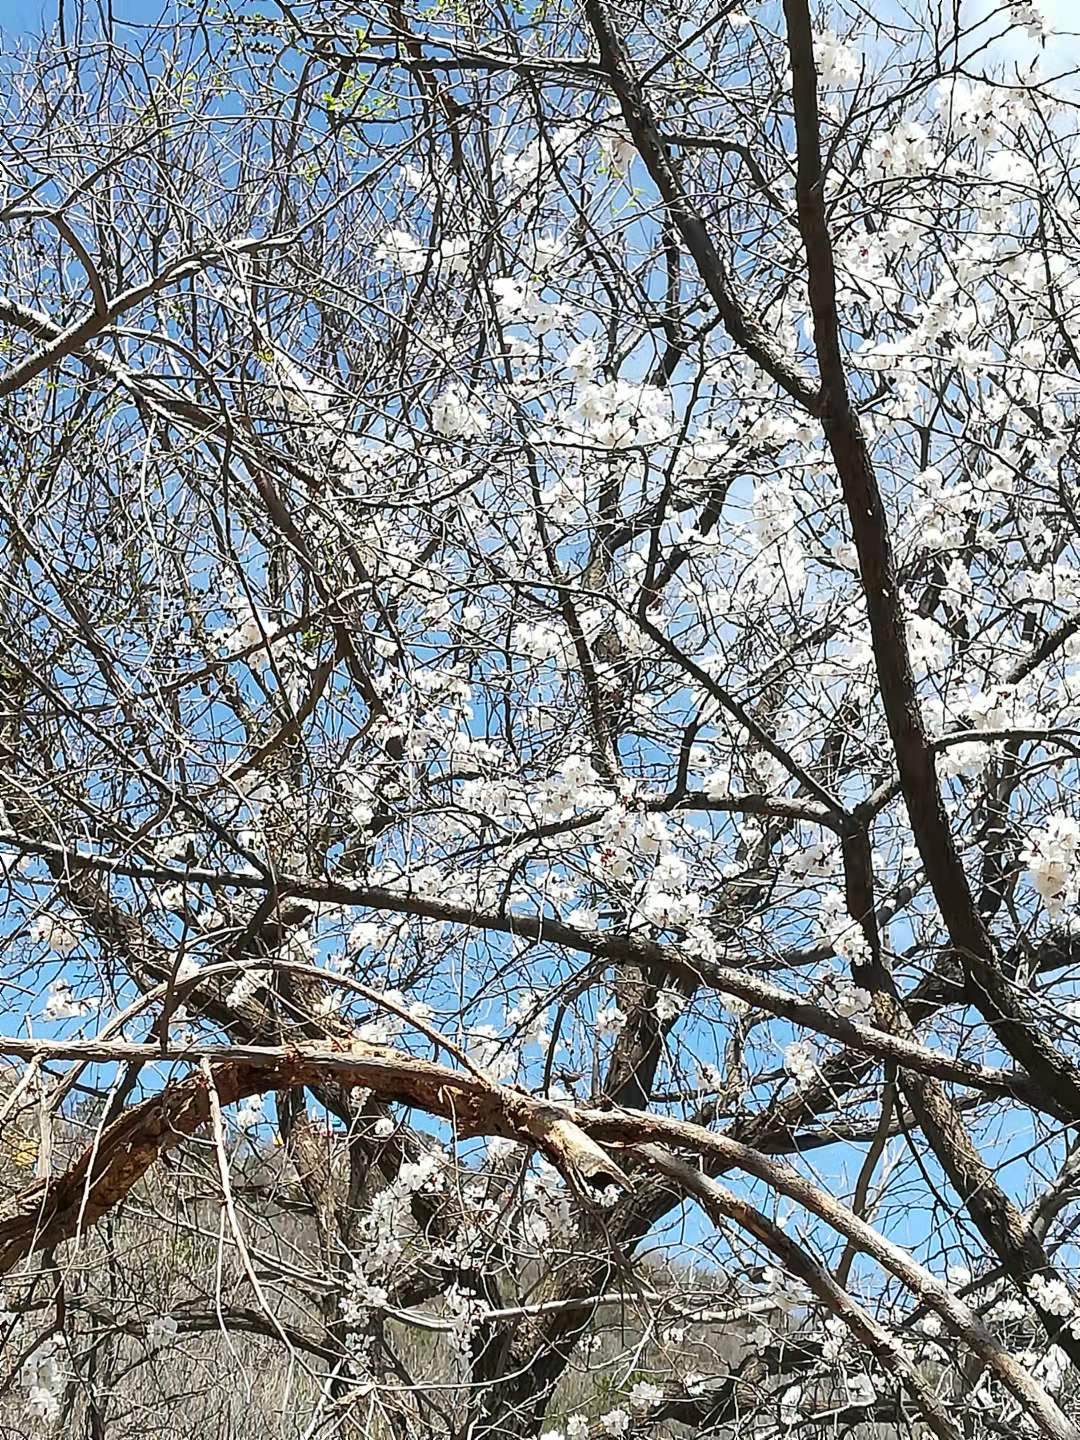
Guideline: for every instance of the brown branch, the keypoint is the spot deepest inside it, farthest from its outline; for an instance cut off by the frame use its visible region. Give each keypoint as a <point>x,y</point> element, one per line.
<point>68,342</point>
<point>991,993</point>
<point>721,1204</point>
<point>53,1211</point>
<point>999,1221</point>
<point>865,1039</point>
<point>743,328</point>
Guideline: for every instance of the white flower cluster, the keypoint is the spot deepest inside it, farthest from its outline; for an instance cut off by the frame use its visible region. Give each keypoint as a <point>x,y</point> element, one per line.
<point>778,567</point>
<point>529,1016</point>
<point>404,252</point>
<point>175,846</point>
<point>42,1377</point>
<point>564,501</point>
<point>247,985</point>
<point>1051,1295</point>
<point>850,1002</point>
<point>928,642</point>
<point>364,935</point>
<point>305,398</point>
<point>837,929</point>
<point>619,414</point>
<point>773,509</point>
<point>629,841</point>
<point>785,1292</point>
<point>490,1051</point>
<point>575,786</point>
<point>1030,16</point>
<point>617,149</point>
<point>537,642</point>
<point>529,168</point>
<point>1051,860</point>
<point>381,1233</point>
<point>582,359</point>
<point>542,252</point>
<point>667,901</point>
<point>860,1388</point>
<point>644,1394</point>
<point>467,1312</point>
<point>457,417</point>
<point>364,794</point>
<point>791,1407</point>
<point>837,65</point>
<point>386,1026</point>
<point>1048,1369</point>
<point>906,149</point>
<point>990,710</point>
<point>62,1004</point>
<point>669,1005</point>
<point>800,1062</point>
<point>609,1020</point>
<point>1008,1308</point>
<point>837,1338</point>
<point>187,968</point>
<point>250,1114</point>
<point>974,110</point>
<point>252,629</point>
<point>361,1295</point>
<point>577,1428</point>
<point>546,1209</point>
<point>61,936</point>
<point>519,303</point>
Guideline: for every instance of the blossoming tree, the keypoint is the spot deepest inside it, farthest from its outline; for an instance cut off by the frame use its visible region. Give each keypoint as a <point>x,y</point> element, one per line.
<point>539,696</point>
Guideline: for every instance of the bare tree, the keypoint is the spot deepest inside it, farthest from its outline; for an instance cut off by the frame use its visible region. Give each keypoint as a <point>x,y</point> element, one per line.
<point>539,713</point>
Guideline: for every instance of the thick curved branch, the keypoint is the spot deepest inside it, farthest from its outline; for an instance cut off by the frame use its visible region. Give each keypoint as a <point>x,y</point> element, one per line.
<point>762,994</point>
<point>53,1211</point>
<point>571,1137</point>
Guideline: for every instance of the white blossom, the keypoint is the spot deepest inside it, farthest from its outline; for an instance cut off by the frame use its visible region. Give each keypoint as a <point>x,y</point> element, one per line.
<point>800,1062</point>
<point>1051,860</point>
<point>61,935</point>
<point>609,1020</point>
<point>837,65</point>
<point>1051,1295</point>
<point>456,417</point>
<point>42,1376</point>
<point>402,251</point>
<point>61,1002</point>
<point>669,1004</point>
<point>644,1394</point>
<point>616,146</point>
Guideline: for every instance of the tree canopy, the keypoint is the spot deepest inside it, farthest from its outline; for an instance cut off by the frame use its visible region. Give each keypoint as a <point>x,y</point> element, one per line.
<point>540,720</point>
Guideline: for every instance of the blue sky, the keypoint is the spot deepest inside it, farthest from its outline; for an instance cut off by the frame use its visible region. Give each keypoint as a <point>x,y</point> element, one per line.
<point>24,14</point>
<point>30,17</point>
